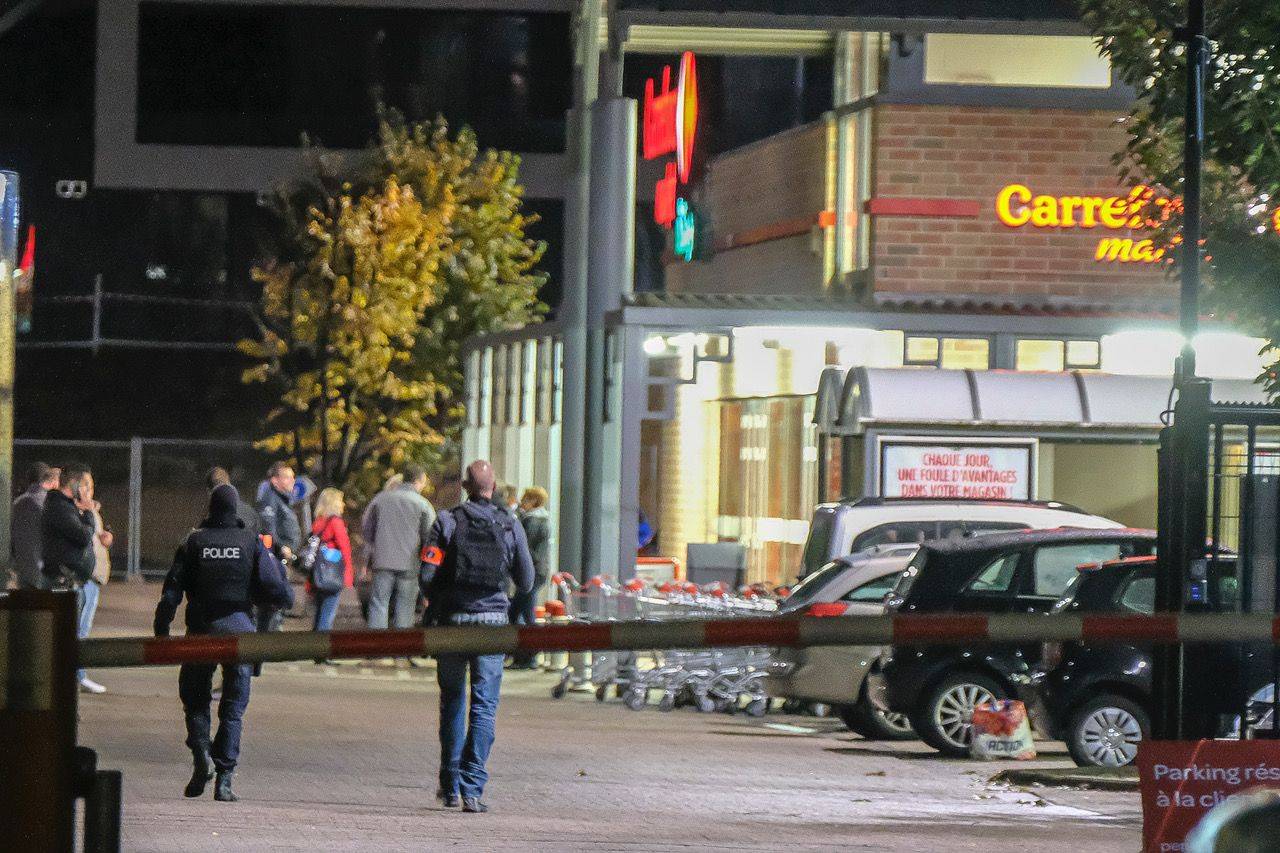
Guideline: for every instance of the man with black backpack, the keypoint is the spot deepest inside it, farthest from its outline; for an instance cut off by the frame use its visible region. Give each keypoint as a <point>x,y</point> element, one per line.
<point>474,551</point>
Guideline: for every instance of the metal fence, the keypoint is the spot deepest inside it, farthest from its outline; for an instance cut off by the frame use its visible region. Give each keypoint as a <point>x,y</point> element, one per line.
<point>1219,487</point>
<point>152,490</point>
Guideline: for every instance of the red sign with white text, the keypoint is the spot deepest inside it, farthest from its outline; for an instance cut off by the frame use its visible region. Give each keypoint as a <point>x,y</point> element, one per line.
<point>1182,780</point>
<point>964,472</point>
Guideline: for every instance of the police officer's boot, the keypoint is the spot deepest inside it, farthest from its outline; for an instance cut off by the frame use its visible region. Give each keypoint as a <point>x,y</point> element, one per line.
<point>201,773</point>
<point>222,788</point>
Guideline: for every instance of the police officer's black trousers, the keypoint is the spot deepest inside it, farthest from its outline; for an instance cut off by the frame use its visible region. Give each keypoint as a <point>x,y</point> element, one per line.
<point>195,686</point>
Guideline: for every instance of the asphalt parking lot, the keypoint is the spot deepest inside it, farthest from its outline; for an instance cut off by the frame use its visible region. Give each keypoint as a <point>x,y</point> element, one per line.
<point>342,758</point>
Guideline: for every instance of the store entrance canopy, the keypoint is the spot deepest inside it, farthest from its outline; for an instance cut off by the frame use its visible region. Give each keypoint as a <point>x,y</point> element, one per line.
<point>849,403</point>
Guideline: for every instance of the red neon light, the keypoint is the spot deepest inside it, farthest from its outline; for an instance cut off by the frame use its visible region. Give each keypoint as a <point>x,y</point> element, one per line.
<point>664,198</point>
<point>660,117</point>
<point>670,119</point>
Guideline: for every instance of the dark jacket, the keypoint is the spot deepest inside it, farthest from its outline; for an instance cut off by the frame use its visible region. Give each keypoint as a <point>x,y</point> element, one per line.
<point>278,521</point>
<point>446,598</point>
<point>248,517</point>
<point>268,587</point>
<point>67,538</point>
<point>537,529</point>
<point>24,530</point>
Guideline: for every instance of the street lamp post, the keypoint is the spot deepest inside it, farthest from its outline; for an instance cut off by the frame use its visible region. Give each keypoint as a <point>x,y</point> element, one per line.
<point>1197,49</point>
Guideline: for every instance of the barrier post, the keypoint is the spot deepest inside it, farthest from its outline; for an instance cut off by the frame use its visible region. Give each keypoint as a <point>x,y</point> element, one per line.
<point>38,710</point>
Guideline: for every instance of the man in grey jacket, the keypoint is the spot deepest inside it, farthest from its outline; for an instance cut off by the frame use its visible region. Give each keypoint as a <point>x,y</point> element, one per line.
<point>396,527</point>
<point>24,526</point>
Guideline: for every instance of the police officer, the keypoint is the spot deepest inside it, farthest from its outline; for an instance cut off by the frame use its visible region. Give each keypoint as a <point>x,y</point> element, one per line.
<point>279,524</point>
<point>223,570</point>
<point>473,553</point>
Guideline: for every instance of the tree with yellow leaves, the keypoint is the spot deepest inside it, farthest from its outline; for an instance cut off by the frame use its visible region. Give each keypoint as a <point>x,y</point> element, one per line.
<point>379,272</point>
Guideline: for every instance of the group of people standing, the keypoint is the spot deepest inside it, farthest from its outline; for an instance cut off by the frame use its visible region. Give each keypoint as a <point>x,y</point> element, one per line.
<point>480,563</point>
<point>58,540</point>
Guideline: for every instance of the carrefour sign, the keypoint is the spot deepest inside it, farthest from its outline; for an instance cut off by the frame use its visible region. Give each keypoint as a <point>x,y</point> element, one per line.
<point>1143,209</point>
<point>670,126</point>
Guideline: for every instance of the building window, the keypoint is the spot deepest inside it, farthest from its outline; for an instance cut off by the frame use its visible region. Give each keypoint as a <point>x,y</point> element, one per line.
<point>966,354</point>
<point>557,378</point>
<point>1036,355</point>
<point>499,406</point>
<point>947,353</point>
<point>921,352</point>
<point>1084,355</point>
<point>528,380</point>
<point>484,412</point>
<point>1055,62</point>
<point>263,74</point>
<point>515,377</point>
<point>1057,355</point>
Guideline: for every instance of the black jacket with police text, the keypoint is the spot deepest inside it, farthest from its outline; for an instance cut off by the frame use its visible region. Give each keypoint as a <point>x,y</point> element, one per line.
<point>223,570</point>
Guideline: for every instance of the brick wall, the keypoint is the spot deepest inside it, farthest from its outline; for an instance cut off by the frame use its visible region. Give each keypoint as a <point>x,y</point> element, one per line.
<point>775,180</point>
<point>970,153</point>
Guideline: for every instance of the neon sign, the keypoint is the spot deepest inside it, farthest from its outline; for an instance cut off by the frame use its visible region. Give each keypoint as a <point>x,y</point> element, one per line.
<point>683,231</point>
<point>670,126</point>
<point>1142,208</point>
<point>671,116</point>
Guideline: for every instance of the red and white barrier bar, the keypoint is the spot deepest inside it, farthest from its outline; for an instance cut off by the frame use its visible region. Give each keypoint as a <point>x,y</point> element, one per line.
<point>691,633</point>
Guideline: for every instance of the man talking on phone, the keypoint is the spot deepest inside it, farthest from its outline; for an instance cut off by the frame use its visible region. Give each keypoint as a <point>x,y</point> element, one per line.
<point>68,528</point>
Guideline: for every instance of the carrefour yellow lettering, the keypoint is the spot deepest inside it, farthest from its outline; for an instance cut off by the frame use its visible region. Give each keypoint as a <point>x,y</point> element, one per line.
<point>1017,205</point>
<point>1004,209</point>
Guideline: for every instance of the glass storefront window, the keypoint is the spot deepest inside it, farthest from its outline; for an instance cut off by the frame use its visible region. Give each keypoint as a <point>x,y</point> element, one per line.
<point>1084,355</point>
<point>1070,62</point>
<point>921,351</point>
<point>947,353</point>
<point>965,354</point>
<point>1040,355</point>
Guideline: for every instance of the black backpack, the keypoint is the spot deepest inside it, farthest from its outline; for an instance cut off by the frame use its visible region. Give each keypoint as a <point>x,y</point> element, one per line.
<point>478,552</point>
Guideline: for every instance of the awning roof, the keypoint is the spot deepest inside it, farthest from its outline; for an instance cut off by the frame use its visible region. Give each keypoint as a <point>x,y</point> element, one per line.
<point>848,403</point>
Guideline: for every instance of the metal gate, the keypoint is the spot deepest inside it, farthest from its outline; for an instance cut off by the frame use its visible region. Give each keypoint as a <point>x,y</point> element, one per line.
<point>1218,550</point>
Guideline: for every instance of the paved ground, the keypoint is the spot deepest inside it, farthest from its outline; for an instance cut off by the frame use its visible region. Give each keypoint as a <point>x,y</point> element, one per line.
<point>338,760</point>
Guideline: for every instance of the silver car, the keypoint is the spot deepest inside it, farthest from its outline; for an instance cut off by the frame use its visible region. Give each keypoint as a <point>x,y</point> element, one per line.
<point>856,584</point>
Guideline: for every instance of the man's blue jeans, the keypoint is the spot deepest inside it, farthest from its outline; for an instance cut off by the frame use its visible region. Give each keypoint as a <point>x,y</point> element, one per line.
<point>467,736</point>
<point>89,594</point>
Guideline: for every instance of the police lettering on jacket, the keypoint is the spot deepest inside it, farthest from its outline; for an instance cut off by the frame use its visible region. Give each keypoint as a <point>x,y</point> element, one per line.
<point>213,553</point>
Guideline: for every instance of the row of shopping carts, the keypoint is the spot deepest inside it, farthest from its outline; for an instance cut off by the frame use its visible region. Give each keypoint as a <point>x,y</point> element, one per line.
<point>706,679</point>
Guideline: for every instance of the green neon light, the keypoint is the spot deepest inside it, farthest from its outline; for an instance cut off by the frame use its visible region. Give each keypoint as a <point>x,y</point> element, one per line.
<point>683,230</point>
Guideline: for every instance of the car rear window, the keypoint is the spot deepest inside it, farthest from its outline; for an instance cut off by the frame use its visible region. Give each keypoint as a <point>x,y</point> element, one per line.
<point>874,590</point>
<point>808,589</point>
<point>1055,565</point>
<point>999,574</point>
<point>895,532</point>
<point>817,548</point>
<point>1139,594</point>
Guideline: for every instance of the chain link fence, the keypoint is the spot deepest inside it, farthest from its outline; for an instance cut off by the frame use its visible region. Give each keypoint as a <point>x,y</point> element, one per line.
<point>152,490</point>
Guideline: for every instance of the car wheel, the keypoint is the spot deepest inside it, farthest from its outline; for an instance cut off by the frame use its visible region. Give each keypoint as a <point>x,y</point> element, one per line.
<point>873,724</point>
<point>1106,731</point>
<point>944,719</point>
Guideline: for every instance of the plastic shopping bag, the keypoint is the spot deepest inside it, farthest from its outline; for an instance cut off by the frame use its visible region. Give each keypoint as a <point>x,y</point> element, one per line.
<point>1001,732</point>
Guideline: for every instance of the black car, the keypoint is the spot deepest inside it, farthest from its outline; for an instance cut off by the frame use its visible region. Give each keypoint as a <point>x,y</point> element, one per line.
<point>937,686</point>
<point>1098,698</point>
